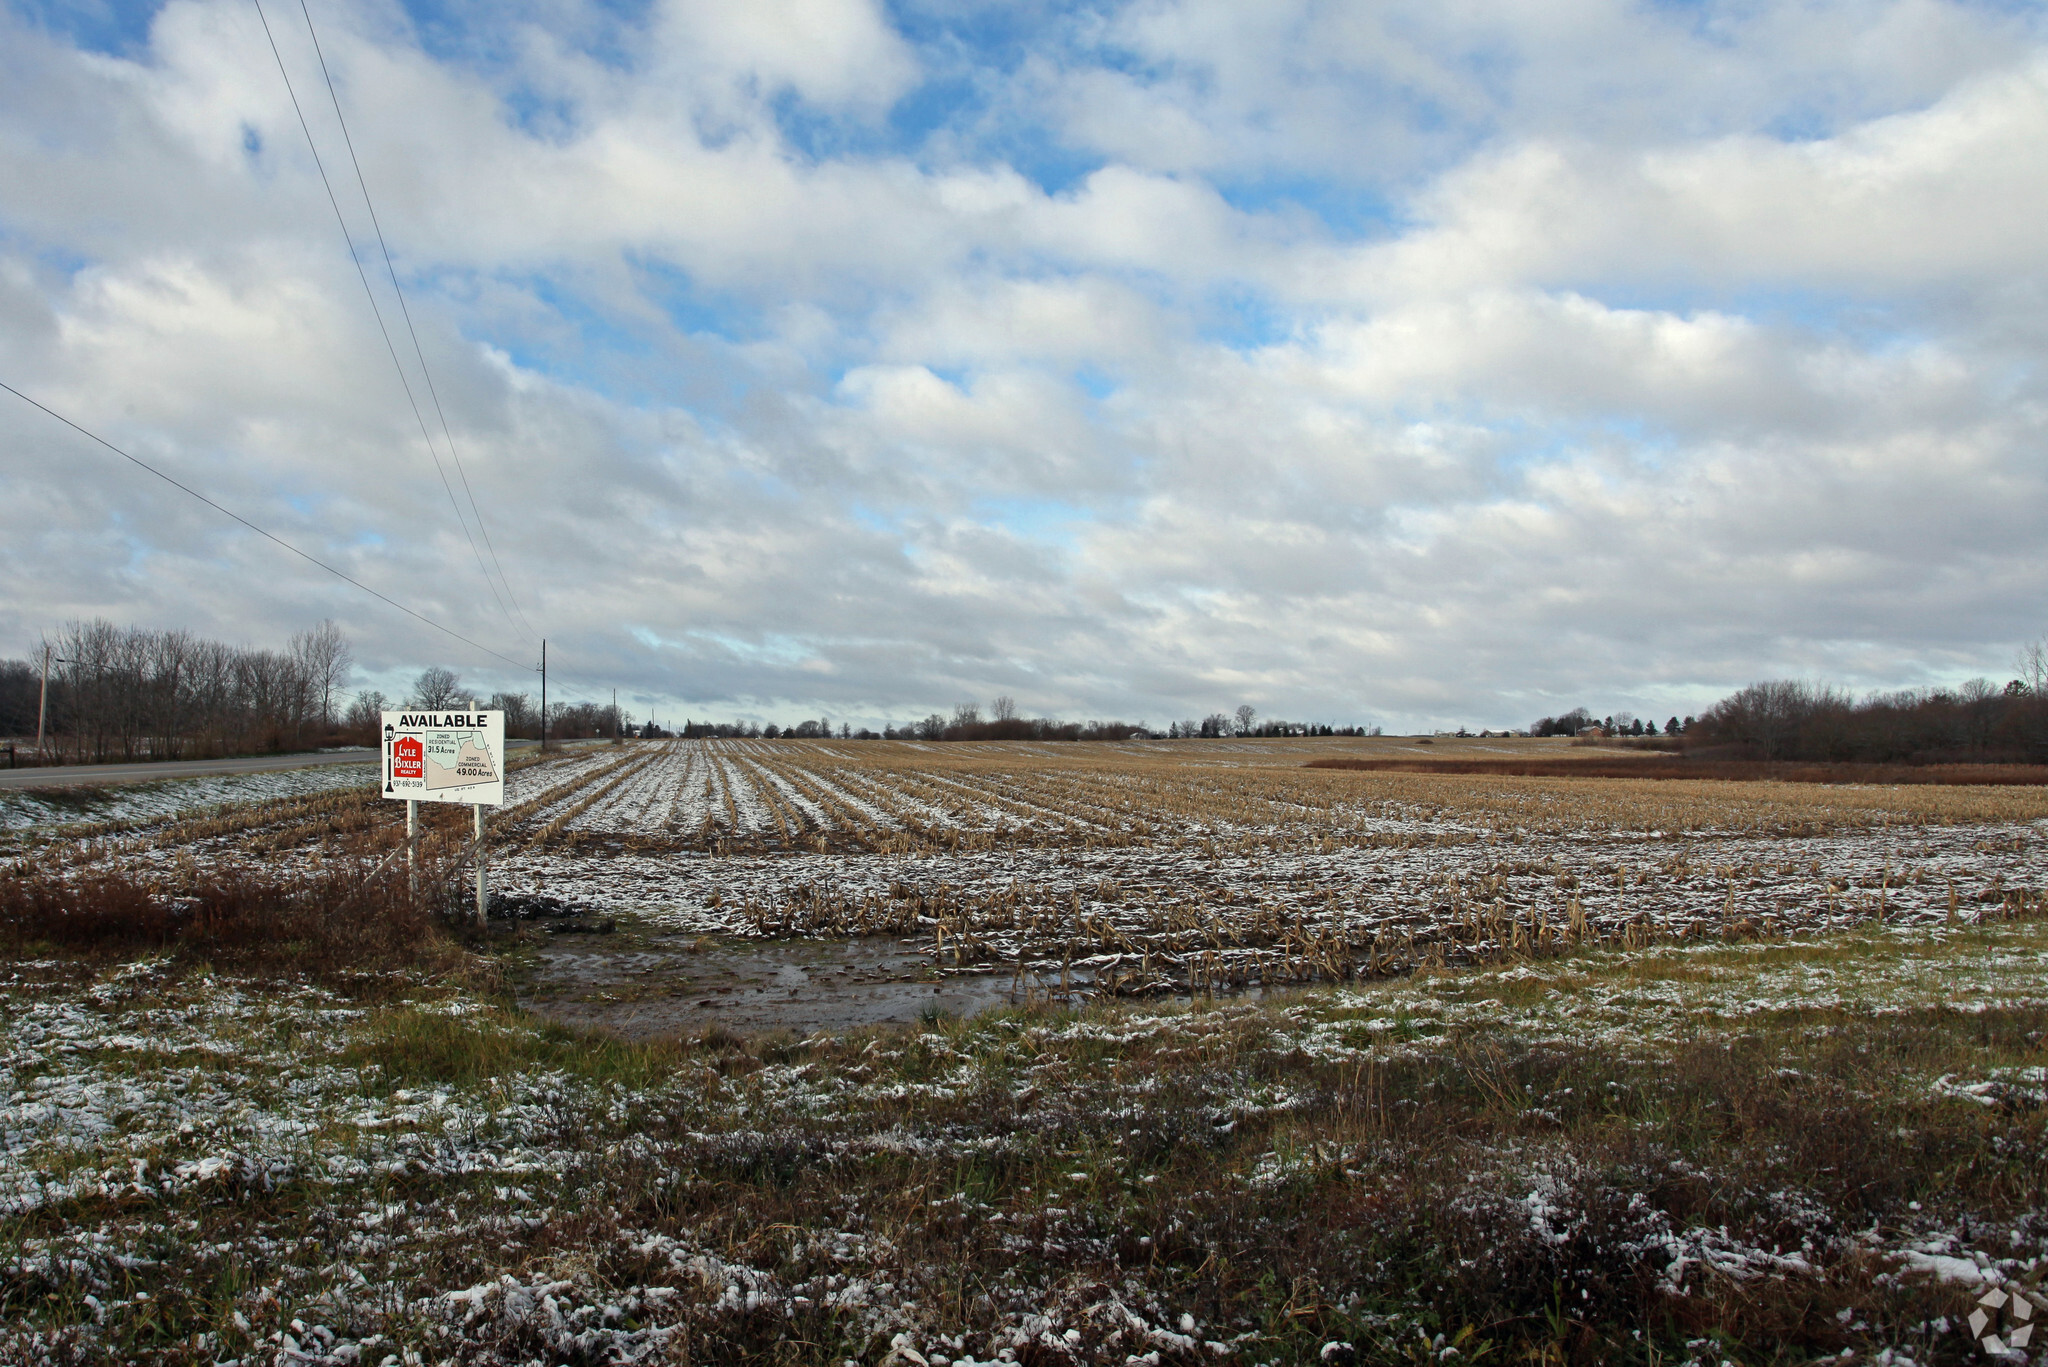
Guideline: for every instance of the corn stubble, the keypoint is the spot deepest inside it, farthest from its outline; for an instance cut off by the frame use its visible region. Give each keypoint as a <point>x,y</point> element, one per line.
<point>1199,868</point>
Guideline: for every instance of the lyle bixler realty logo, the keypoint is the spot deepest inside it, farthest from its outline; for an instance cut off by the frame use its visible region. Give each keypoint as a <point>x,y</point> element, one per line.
<point>2009,1311</point>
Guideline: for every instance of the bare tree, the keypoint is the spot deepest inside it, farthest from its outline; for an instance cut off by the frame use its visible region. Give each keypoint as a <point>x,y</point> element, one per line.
<point>127,692</point>
<point>2032,662</point>
<point>437,689</point>
<point>1246,715</point>
<point>967,714</point>
<point>365,714</point>
<point>324,657</point>
<point>521,716</point>
<point>1004,708</point>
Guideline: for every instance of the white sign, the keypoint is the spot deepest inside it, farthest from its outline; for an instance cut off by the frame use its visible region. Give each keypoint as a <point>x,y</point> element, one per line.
<point>445,757</point>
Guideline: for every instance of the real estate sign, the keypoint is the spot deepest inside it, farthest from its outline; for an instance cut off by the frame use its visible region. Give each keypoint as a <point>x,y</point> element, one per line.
<point>445,757</point>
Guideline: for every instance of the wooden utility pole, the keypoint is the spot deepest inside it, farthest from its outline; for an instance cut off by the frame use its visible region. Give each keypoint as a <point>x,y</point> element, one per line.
<point>543,695</point>
<point>617,735</point>
<point>43,702</point>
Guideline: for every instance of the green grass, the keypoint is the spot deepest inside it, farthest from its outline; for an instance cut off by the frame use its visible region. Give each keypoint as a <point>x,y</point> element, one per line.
<point>411,1044</point>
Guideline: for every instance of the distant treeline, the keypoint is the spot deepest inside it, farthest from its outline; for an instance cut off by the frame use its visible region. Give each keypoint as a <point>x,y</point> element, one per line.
<point>126,693</point>
<point>129,693</point>
<point>934,727</point>
<point>1979,722</point>
<point>1579,721</point>
<point>438,688</point>
<point>1003,723</point>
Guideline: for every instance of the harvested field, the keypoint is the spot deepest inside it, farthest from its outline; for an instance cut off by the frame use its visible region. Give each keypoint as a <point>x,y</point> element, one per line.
<point>1182,867</point>
<point>1287,1065</point>
<point>125,805</point>
<point>1148,867</point>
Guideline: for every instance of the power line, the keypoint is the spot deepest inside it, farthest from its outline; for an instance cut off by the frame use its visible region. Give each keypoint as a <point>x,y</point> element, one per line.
<point>258,530</point>
<point>389,346</point>
<point>405,311</point>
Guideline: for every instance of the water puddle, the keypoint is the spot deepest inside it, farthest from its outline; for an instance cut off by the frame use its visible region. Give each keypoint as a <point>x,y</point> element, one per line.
<point>643,985</point>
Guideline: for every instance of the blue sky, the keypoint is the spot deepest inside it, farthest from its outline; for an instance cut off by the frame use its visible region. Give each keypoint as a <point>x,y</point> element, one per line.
<point>1400,364</point>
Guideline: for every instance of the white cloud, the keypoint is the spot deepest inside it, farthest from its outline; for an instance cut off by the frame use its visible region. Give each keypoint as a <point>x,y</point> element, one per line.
<point>1678,351</point>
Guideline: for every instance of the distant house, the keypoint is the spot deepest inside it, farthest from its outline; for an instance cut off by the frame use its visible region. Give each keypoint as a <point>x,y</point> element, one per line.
<point>1591,732</point>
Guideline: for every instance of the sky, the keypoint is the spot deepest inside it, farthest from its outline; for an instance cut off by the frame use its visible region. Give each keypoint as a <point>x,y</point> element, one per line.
<point>1418,363</point>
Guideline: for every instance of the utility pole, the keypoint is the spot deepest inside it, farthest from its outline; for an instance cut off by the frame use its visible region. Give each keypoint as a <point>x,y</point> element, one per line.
<point>43,702</point>
<point>616,734</point>
<point>543,695</point>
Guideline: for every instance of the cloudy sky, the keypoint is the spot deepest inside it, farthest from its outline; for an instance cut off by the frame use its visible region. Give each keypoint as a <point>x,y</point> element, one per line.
<point>1417,362</point>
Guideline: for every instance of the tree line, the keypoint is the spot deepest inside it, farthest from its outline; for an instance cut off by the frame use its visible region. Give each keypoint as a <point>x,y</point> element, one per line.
<point>1579,721</point>
<point>437,689</point>
<point>129,693</point>
<point>1246,722</point>
<point>1979,722</point>
<point>1003,723</point>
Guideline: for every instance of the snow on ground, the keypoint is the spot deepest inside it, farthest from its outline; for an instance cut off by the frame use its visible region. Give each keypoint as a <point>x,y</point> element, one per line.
<point>737,782</point>
<point>786,793</point>
<point>1180,898</point>
<point>640,803</point>
<point>403,1197</point>
<point>279,1141</point>
<point>1181,869</point>
<point>31,811</point>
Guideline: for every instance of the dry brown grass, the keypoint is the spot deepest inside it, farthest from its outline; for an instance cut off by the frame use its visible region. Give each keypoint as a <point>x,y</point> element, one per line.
<point>1724,770</point>
<point>344,916</point>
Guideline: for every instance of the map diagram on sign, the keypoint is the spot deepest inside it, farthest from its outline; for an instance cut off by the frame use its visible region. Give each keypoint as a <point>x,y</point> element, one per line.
<point>458,765</point>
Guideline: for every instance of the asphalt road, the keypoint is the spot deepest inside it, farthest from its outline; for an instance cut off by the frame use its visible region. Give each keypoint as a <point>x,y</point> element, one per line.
<point>68,775</point>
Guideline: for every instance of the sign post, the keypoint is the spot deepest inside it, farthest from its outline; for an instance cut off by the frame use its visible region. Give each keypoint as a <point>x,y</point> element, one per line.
<point>432,756</point>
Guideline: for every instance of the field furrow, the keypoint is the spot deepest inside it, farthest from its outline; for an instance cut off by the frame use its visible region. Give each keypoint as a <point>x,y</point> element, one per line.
<point>1182,868</point>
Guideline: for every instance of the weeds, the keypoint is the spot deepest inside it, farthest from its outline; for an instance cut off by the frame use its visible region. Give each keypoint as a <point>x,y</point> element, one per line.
<point>344,915</point>
<point>1610,1158</point>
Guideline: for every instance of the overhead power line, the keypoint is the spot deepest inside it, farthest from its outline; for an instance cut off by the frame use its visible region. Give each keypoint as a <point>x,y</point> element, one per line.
<point>312,559</point>
<point>433,392</point>
<point>378,312</point>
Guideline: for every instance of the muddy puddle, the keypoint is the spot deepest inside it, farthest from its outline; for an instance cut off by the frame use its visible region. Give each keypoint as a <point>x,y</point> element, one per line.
<point>641,985</point>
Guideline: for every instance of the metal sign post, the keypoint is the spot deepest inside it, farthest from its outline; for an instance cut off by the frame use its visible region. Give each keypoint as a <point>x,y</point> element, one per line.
<point>432,756</point>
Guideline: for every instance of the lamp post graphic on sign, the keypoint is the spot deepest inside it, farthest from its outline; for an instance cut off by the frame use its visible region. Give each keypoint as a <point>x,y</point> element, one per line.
<point>432,756</point>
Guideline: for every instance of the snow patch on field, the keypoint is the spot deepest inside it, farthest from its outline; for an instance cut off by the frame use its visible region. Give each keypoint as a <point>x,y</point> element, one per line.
<point>134,804</point>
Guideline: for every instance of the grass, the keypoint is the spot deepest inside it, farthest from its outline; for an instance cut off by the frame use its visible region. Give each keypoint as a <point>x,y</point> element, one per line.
<point>1687,1153</point>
